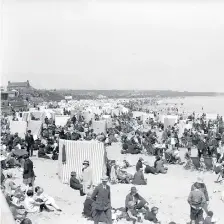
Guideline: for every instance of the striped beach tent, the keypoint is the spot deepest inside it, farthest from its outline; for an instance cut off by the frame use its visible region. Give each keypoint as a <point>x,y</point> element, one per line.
<point>73,153</point>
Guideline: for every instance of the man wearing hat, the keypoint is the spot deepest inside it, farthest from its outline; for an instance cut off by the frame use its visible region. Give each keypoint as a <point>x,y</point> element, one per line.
<point>102,203</point>
<point>196,200</point>
<point>139,201</point>
<point>86,177</point>
<point>29,142</point>
<point>202,187</point>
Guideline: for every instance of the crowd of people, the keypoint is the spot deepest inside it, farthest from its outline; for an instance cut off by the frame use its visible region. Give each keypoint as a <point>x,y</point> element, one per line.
<point>155,140</point>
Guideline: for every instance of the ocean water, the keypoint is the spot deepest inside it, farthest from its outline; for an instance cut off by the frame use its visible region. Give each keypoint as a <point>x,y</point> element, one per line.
<point>214,105</point>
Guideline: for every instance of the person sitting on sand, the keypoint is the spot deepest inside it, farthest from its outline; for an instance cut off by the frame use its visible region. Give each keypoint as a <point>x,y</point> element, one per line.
<point>139,164</point>
<point>45,198</point>
<point>209,219</point>
<point>33,206</point>
<point>139,201</point>
<point>196,200</point>
<point>149,169</point>
<point>139,178</point>
<point>151,215</point>
<point>159,165</point>
<point>132,214</point>
<point>41,152</point>
<point>75,183</point>
<point>26,221</point>
<point>123,176</point>
<point>9,184</point>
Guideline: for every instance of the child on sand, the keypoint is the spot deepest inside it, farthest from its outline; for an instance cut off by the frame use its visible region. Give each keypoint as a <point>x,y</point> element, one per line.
<point>209,219</point>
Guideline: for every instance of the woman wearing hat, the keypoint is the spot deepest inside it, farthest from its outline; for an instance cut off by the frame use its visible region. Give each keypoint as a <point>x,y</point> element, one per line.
<point>86,177</point>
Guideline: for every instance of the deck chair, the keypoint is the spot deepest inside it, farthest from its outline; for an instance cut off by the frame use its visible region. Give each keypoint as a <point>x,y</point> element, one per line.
<point>195,162</point>
<point>208,163</point>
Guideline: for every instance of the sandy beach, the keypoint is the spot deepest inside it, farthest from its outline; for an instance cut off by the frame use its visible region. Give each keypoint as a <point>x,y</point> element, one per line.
<point>168,192</point>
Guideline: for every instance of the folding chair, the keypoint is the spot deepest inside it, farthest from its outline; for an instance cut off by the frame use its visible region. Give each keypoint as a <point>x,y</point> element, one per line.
<point>208,163</point>
<point>195,162</point>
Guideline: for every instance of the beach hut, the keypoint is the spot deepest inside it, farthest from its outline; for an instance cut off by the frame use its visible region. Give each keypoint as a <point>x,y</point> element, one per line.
<point>61,120</point>
<point>18,127</point>
<point>108,120</point>
<point>99,126</point>
<point>73,153</point>
<point>170,120</point>
<point>26,116</point>
<point>35,127</point>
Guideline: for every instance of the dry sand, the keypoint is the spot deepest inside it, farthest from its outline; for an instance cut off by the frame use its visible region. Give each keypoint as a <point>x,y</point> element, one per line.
<point>168,192</point>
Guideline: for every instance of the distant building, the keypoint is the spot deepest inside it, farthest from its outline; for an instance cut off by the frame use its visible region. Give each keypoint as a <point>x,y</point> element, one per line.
<point>18,85</point>
<point>68,97</point>
<point>101,97</point>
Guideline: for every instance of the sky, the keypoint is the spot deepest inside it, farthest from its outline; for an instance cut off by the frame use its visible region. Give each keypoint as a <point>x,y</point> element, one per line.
<point>111,44</point>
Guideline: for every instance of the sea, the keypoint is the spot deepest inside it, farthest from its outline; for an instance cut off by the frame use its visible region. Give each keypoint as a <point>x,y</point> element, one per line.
<point>213,104</point>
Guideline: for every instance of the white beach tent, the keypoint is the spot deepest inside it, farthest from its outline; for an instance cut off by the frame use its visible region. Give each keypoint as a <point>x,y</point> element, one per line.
<point>73,153</point>
<point>61,120</point>
<point>108,120</point>
<point>19,127</point>
<point>170,120</point>
<point>35,127</point>
<point>99,126</point>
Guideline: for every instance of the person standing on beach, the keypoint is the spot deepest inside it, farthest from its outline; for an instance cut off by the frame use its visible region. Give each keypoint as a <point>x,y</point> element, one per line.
<point>29,142</point>
<point>203,189</point>
<point>28,172</point>
<point>196,200</point>
<point>102,203</point>
<point>86,177</point>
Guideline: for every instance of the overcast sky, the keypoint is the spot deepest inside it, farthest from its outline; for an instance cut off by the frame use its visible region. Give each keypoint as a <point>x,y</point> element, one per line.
<point>112,44</point>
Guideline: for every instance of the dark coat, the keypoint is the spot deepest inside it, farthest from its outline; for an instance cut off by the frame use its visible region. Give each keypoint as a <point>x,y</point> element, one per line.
<point>139,178</point>
<point>28,169</point>
<point>102,196</point>
<point>29,140</point>
<point>75,184</point>
<point>139,165</point>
